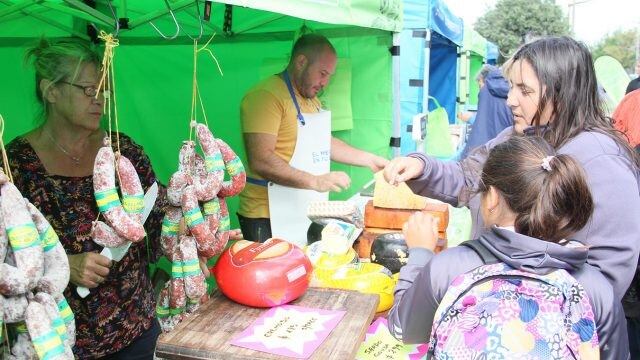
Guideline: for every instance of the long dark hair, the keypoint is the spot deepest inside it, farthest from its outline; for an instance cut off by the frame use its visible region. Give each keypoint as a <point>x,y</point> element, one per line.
<point>551,198</point>
<point>565,67</point>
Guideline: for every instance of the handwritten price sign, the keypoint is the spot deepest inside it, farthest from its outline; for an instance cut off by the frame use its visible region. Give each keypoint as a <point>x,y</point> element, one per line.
<point>289,330</point>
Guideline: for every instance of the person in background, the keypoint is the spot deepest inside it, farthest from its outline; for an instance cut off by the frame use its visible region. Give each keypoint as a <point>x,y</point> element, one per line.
<point>554,93</point>
<point>52,165</point>
<point>534,201</point>
<point>626,117</point>
<point>288,142</point>
<point>635,83</point>
<point>493,114</point>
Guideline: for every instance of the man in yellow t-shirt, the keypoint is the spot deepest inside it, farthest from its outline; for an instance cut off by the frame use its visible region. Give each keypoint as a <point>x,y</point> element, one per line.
<point>270,115</point>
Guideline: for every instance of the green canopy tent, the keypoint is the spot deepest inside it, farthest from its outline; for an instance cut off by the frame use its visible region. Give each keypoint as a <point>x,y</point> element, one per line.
<point>472,57</point>
<point>154,65</point>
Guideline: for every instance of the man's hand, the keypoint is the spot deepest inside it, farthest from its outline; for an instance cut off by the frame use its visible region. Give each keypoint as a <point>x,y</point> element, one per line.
<point>88,269</point>
<point>377,163</point>
<point>421,231</point>
<point>402,169</point>
<point>333,181</point>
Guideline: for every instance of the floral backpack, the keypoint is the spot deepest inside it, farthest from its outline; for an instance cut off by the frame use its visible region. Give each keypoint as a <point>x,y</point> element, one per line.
<point>498,312</point>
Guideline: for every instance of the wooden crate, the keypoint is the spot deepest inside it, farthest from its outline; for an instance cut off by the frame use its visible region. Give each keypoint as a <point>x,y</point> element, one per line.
<point>206,333</point>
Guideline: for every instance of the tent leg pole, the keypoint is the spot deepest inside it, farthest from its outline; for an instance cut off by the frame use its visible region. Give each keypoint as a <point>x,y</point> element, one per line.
<point>425,84</point>
<point>396,120</point>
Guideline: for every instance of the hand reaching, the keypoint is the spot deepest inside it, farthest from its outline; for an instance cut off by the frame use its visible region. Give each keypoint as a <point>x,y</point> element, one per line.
<point>333,181</point>
<point>421,230</point>
<point>402,169</point>
<point>377,163</point>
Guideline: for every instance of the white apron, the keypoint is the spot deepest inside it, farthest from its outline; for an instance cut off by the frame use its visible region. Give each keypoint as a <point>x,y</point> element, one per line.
<point>312,154</point>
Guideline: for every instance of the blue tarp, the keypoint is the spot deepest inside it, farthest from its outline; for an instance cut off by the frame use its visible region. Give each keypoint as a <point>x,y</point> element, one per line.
<point>434,15</point>
<point>492,53</point>
<point>446,36</point>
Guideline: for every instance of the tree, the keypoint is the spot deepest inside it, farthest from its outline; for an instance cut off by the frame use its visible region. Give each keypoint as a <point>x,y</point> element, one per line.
<point>513,22</point>
<point>620,45</point>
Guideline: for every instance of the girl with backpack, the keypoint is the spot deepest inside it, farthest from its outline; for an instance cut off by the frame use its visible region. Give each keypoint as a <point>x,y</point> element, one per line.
<point>524,288</point>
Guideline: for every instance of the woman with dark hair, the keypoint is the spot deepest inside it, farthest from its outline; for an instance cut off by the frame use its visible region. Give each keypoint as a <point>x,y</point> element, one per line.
<point>52,165</point>
<point>554,94</point>
<point>535,200</point>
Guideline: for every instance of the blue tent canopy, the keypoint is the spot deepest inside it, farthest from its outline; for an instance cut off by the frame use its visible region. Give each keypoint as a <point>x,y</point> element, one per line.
<point>429,45</point>
<point>434,15</point>
<point>492,53</point>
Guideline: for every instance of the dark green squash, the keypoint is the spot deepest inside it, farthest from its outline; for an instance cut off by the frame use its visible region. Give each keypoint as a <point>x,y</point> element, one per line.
<point>390,250</point>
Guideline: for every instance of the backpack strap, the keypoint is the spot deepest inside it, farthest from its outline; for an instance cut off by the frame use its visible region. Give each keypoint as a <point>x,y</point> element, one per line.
<point>487,256</point>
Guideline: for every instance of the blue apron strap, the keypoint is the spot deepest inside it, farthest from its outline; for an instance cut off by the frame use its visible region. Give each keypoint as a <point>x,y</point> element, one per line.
<point>259,182</point>
<point>287,80</point>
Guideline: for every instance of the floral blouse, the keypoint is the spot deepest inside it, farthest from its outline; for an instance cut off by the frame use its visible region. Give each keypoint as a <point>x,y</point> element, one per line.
<point>123,307</point>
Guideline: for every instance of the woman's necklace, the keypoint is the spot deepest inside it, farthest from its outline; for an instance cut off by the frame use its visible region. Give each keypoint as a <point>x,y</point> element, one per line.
<point>76,159</point>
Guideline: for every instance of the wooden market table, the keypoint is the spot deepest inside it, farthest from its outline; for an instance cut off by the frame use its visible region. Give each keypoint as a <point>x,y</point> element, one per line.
<point>207,332</point>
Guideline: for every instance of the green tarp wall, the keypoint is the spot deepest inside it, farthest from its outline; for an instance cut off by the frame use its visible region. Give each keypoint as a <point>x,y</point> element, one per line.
<point>153,75</point>
<point>472,58</point>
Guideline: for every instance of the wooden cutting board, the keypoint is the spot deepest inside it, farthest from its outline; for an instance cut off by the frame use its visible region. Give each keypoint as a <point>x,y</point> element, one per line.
<point>377,217</point>
<point>207,332</point>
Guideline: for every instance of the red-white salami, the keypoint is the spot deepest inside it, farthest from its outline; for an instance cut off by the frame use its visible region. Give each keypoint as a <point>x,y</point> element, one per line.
<point>57,323</point>
<point>12,280</point>
<point>207,184</point>
<point>14,308</point>
<point>178,181</point>
<point>177,296</point>
<point>170,231</point>
<point>108,200</point>
<point>234,168</point>
<point>44,338</point>
<point>22,233</point>
<point>131,188</point>
<point>56,264</point>
<point>103,235</point>
<point>194,280</point>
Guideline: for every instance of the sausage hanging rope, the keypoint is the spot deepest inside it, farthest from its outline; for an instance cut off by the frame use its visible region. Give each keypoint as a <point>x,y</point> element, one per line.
<point>108,79</point>
<point>196,90</point>
<point>124,219</point>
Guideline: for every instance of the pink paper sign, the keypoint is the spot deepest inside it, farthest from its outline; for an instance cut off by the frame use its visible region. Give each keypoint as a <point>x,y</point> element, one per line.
<point>289,330</point>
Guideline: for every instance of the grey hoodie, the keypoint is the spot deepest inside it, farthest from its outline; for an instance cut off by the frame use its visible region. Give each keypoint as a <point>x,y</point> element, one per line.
<point>426,278</point>
<point>612,233</point>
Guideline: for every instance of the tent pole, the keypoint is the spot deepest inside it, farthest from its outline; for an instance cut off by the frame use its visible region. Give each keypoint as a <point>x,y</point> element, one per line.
<point>93,12</point>
<point>41,18</point>
<point>15,8</point>
<point>425,84</point>
<point>207,24</point>
<point>396,120</point>
<point>259,24</point>
<point>180,5</point>
<point>123,9</point>
<point>81,14</point>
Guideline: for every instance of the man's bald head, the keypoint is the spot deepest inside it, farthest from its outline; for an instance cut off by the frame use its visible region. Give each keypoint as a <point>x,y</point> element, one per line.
<point>311,46</point>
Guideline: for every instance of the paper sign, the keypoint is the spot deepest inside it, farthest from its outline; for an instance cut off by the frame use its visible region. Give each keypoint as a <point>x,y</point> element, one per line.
<point>380,344</point>
<point>289,330</point>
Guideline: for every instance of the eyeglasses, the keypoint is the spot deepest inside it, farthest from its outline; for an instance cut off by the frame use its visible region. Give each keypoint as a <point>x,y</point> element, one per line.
<point>89,90</point>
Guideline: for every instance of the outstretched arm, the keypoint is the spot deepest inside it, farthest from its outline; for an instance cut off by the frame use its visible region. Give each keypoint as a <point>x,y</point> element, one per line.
<point>264,162</point>
<point>347,154</point>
